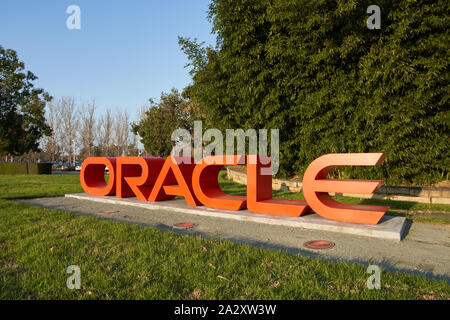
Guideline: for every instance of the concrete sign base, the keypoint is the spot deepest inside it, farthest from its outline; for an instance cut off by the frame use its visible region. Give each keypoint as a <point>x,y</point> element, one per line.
<point>389,227</point>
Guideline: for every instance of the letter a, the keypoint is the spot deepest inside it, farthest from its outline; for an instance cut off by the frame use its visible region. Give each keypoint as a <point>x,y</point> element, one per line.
<point>166,187</point>
<point>374,21</point>
<point>74,20</point>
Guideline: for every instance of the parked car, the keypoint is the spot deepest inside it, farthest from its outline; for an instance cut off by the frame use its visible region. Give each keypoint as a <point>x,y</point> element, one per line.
<point>66,166</point>
<point>78,165</point>
<point>57,164</point>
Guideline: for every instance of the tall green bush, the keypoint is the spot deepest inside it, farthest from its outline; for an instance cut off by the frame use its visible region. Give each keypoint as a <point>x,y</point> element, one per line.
<point>314,70</point>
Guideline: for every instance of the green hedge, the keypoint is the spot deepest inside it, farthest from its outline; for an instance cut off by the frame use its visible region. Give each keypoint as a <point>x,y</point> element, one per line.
<point>39,168</point>
<point>312,69</point>
<point>13,168</point>
<point>25,168</point>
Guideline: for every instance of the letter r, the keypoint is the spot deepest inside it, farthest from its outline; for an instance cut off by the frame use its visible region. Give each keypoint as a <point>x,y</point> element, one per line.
<point>136,176</point>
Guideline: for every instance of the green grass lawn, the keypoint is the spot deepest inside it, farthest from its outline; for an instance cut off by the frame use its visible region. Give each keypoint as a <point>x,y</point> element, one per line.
<point>123,261</point>
<point>38,186</point>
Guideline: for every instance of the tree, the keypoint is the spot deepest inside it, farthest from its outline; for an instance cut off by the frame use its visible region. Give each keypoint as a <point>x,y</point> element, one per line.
<point>22,115</point>
<point>51,144</point>
<point>156,128</point>
<point>315,71</point>
<point>104,133</point>
<point>121,133</point>
<point>88,132</point>
<point>69,125</point>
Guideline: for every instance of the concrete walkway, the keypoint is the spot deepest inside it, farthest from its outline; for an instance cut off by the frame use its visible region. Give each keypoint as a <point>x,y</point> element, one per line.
<point>424,250</point>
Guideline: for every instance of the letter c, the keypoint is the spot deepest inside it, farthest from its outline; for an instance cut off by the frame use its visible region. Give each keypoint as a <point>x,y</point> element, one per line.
<point>206,185</point>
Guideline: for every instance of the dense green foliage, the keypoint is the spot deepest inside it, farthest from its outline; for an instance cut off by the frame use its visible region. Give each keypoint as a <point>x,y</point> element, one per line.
<point>315,71</point>
<point>25,168</point>
<point>22,116</point>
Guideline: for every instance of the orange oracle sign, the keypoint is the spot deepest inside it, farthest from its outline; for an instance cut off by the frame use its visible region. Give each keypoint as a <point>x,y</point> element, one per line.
<point>157,179</point>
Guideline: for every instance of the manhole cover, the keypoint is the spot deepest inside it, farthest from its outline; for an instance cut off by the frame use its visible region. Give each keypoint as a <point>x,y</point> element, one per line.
<point>184,225</point>
<point>319,244</point>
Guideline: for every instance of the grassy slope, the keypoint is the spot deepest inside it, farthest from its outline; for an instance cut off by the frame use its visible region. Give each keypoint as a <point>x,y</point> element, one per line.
<point>119,260</point>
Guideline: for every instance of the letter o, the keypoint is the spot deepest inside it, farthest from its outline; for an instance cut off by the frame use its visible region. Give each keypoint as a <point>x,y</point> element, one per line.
<point>92,176</point>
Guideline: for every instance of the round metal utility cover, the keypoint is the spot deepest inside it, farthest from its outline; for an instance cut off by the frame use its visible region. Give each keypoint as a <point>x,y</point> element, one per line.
<point>319,244</point>
<point>184,225</point>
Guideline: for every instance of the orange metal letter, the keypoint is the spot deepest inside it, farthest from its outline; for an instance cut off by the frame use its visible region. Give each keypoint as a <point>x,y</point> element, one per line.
<point>316,188</point>
<point>175,170</point>
<point>259,192</point>
<point>206,186</point>
<point>134,177</point>
<point>92,176</point>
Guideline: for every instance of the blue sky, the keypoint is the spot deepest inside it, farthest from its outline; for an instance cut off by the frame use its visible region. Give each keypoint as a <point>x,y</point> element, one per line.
<point>125,52</point>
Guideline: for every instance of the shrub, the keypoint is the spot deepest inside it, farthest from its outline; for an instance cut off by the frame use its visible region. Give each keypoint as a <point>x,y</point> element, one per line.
<point>312,69</point>
<point>39,168</point>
